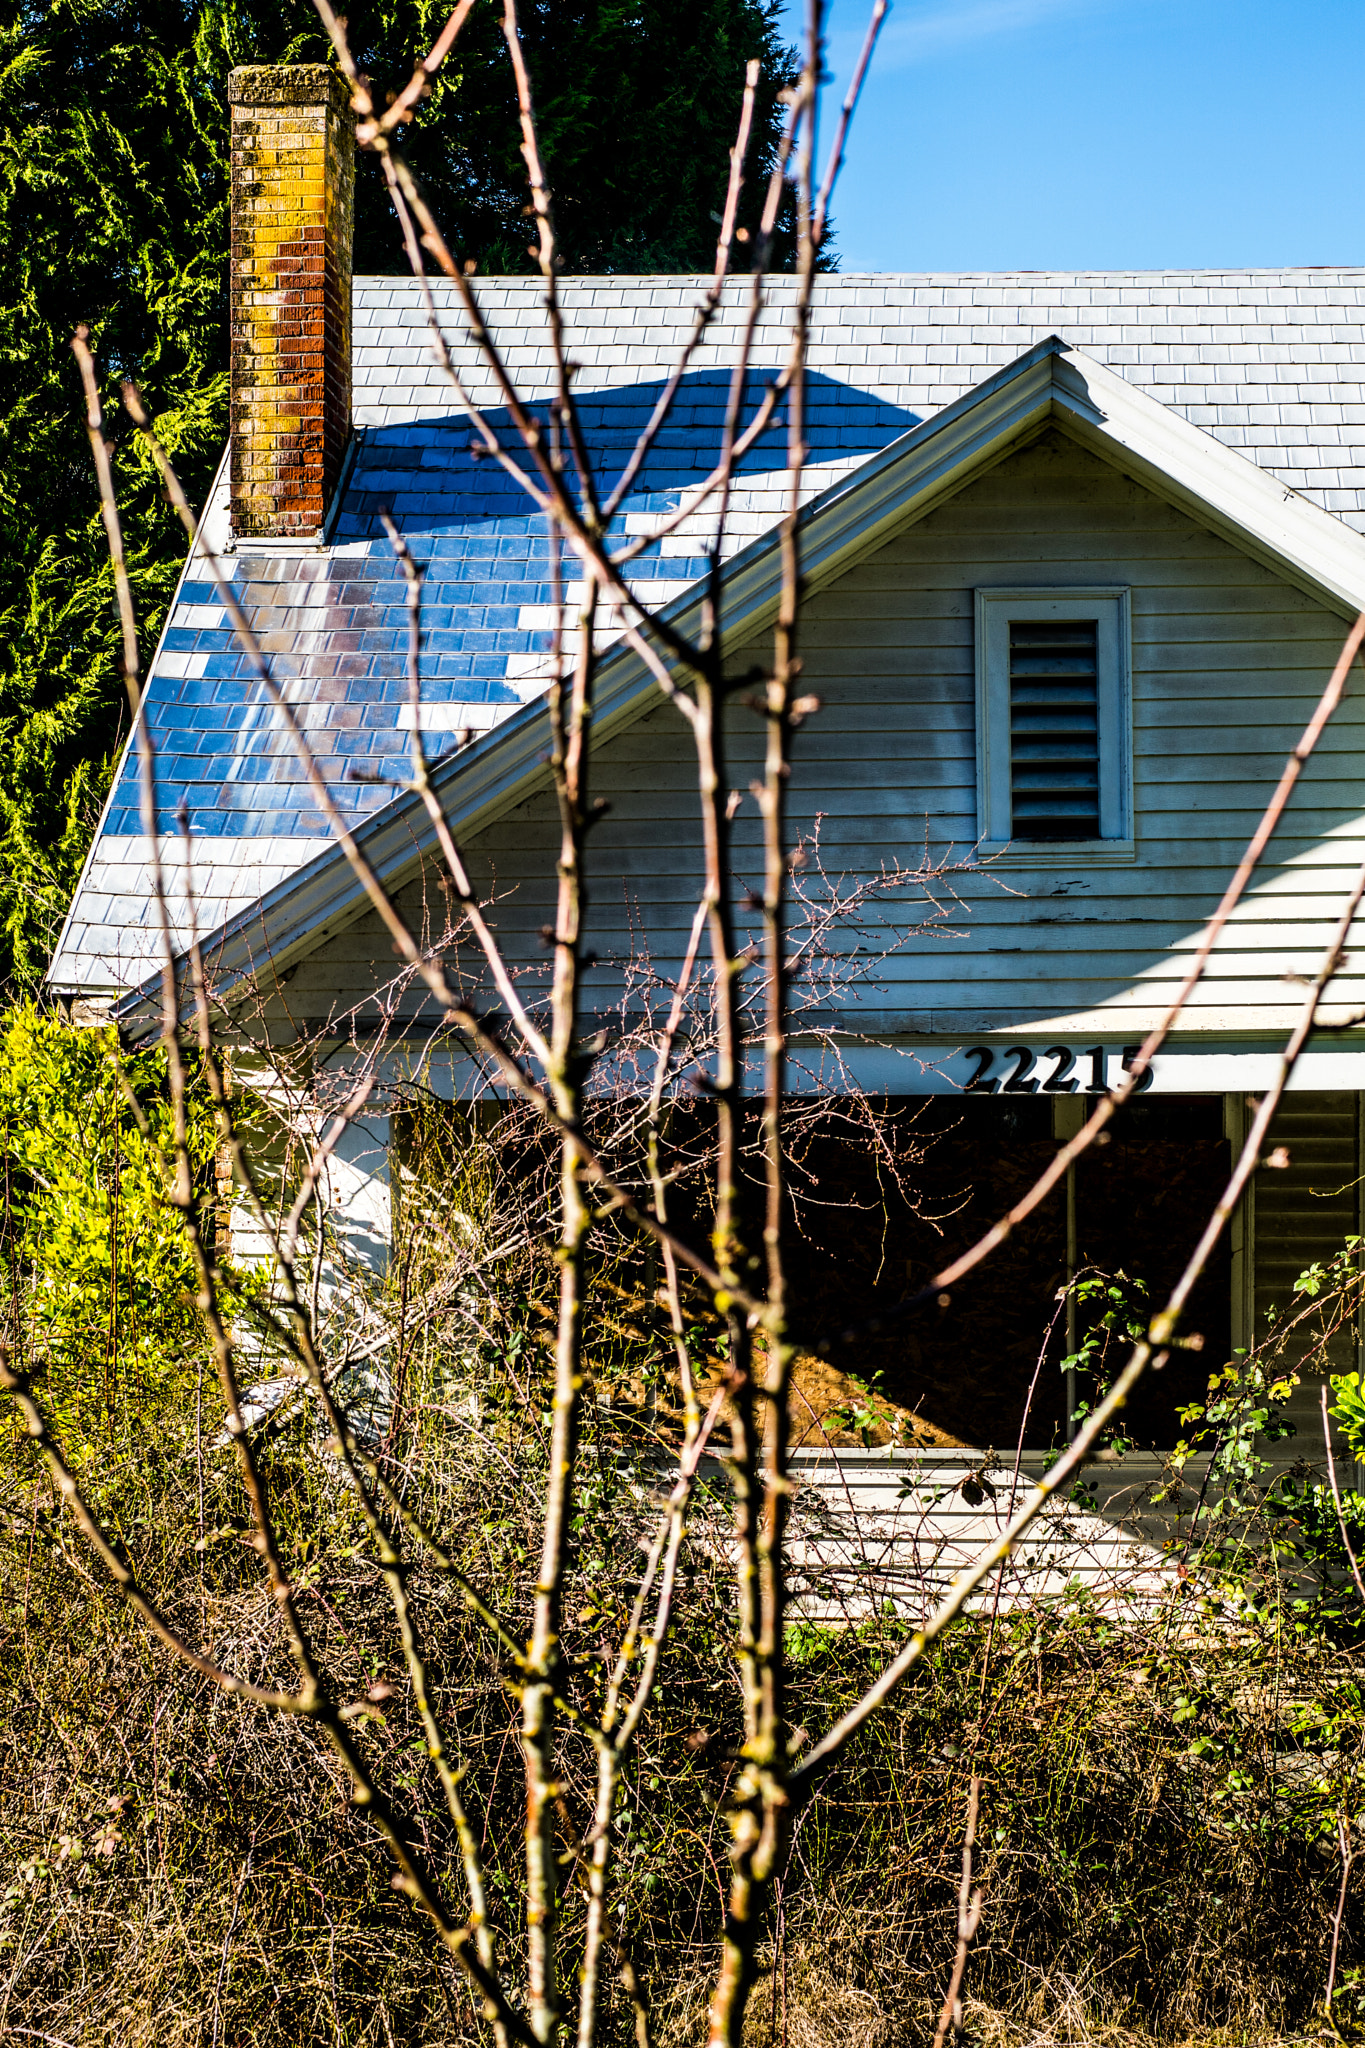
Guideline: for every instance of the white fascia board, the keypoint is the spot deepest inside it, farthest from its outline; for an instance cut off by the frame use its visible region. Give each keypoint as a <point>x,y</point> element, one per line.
<point>1219,487</point>
<point>899,486</point>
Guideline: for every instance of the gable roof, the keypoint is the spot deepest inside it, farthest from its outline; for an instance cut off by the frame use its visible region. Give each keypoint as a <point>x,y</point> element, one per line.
<point>1268,363</point>
<point>1049,384</point>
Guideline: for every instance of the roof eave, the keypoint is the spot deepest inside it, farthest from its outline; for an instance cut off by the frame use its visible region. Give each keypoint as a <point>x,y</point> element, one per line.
<point>1224,490</point>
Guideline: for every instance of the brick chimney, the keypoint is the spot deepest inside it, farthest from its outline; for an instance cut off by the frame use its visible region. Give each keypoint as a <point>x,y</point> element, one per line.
<point>293,181</point>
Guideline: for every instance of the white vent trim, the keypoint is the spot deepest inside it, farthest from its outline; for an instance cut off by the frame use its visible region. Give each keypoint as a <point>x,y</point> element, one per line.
<point>1108,606</point>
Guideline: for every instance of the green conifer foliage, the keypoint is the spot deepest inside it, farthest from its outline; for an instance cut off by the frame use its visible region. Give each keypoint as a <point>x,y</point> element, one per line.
<point>113,213</point>
<point>636,101</point>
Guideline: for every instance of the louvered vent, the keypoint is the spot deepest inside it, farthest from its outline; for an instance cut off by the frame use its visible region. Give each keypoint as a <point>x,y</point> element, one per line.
<point>1054,731</point>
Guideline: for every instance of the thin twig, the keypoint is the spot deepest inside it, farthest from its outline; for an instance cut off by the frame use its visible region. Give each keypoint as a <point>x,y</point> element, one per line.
<point>242,1876</point>
<point>968,1920</point>
<point>1348,1855</point>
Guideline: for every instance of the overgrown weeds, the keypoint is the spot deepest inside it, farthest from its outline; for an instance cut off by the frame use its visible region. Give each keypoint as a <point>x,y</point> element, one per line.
<point>1161,1801</point>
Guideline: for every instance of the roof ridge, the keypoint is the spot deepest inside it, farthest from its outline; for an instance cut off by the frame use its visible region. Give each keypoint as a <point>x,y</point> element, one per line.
<point>619,280</point>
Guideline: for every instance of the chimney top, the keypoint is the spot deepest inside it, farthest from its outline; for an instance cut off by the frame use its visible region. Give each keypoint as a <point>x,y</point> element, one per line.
<point>287,85</point>
<point>293,179</point>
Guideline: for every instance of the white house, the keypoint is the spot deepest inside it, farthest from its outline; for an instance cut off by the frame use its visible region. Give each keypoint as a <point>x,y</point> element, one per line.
<point>1081,550</point>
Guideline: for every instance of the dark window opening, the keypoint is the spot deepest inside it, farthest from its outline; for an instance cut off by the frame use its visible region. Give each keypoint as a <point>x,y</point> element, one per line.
<point>1054,731</point>
<point>965,1367</point>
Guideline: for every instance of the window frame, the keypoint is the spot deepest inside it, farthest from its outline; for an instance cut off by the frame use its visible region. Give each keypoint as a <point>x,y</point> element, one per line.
<point>999,607</point>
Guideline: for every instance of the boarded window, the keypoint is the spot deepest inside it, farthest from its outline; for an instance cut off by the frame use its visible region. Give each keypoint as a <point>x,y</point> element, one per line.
<point>1054,730</point>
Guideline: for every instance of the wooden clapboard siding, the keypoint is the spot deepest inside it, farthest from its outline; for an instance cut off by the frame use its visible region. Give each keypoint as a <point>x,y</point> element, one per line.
<point>1228,661</point>
<point>877,1526</point>
<point>1302,1214</point>
<point>874,1526</point>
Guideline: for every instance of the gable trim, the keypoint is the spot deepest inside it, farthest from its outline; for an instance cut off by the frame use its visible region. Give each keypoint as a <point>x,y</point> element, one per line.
<point>1223,490</point>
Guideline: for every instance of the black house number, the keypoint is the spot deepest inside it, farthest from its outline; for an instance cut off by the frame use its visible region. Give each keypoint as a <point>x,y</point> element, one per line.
<point>1017,1072</point>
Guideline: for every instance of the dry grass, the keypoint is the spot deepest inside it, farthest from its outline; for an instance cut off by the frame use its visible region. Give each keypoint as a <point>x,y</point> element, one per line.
<point>176,1869</point>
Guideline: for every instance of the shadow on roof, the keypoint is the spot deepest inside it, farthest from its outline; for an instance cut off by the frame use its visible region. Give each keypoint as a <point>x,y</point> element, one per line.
<point>334,626</point>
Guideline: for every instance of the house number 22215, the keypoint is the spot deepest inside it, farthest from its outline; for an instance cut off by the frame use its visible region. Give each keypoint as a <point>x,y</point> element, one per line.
<point>1015,1074</point>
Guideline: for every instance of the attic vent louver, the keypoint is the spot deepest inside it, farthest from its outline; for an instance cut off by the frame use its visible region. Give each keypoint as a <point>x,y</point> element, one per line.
<point>1054,730</point>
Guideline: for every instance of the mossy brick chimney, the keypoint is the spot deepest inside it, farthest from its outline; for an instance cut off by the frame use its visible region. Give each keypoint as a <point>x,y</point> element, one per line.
<point>293,183</point>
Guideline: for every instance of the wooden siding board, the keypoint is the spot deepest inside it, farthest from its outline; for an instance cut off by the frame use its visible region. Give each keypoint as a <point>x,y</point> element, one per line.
<point>1108,561</point>
<point>1304,1213</point>
<point>1088,993</point>
<point>878,785</point>
<point>1128,956</point>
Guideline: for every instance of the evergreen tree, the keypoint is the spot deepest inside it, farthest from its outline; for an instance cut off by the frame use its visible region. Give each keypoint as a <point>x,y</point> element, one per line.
<point>113,213</point>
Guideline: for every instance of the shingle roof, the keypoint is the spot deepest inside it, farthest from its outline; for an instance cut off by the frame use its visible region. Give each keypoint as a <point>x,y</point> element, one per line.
<point>1269,362</point>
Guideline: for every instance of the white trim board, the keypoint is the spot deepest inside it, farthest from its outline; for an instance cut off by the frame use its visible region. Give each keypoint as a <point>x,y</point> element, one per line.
<point>997,608</point>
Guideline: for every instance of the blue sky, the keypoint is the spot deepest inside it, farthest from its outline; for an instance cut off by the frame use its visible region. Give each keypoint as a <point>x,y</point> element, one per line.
<point>1104,134</point>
